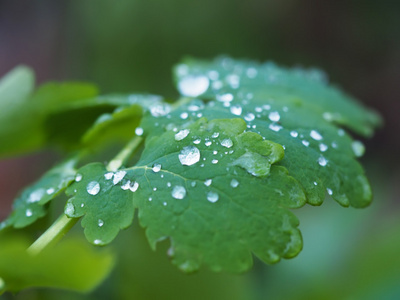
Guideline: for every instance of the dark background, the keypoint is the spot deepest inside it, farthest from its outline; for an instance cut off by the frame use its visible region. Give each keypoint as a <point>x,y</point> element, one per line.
<point>130,46</point>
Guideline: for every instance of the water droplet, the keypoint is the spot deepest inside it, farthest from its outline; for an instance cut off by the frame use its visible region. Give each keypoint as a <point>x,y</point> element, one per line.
<point>97,242</point>
<point>214,161</point>
<point>108,175</point>
<point>334,145</point>
<point>150,199</point>
<point>251,72</point>
<point>323,147</point>
<point>215,135</point>
<point>234,183</point>
<point>50,191</point>
<point>236,110</point>
<point>154,189</point>
<point>82,205</point>
<point>100,222</point>
<point>184,115</point>
<point>227,143</point>
<point>215,152</point>
<point>266,106</point>
<point>330,192</point>
<point>156,168</point>
<point>315,183</point>
<point>28,213</point>
<point>274,116</point>
<point>118,176</point>
<point>305,143</point>
<point>316,135</point>
<point>322,161</point>
<point>213,75</point>
<point>159,110</point>
<point>93,188</point>
<point>358,148</point>
<point>208,143</point>
<point>193,86</point>
<point>341,132</point>
<point>165,203</point>
<point>169,184</point>
<point>35,196</point>
<point>69,209</point>
<point>294,133</point>
<point>189,155</point>
<point>78,177</point>
<point>193,184</point>
<point>182,134</point>
<point>178,192</point>
<point>225,97</point>
<point>139,131</point>
<point>130,185</point>
<point>197,141</point>
<point>208,182</point>
<point>275,127</point>
<point>212,197</point>
<point>233,80</point>
<point>249,117</point>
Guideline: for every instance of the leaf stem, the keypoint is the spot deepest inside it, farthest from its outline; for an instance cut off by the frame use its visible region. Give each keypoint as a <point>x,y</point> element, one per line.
<point>125,153</point>
<point>55,232</point>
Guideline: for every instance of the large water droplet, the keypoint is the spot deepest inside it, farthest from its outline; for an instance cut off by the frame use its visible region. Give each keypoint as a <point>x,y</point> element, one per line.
<point>212,197</point>
<point>118,176</point>
<point>227,143</point>
<point>178,192</point>
<point>35,196</point>
<point>274,116</point>
<point>93,188</point>
<point>69,209</point>
<point>316,135</point>
<point>182,134</point>
<point>193,86</point>
<point>189,155</point>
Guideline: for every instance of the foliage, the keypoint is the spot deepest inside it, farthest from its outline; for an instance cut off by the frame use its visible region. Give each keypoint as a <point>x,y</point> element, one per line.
<point>215,172</point>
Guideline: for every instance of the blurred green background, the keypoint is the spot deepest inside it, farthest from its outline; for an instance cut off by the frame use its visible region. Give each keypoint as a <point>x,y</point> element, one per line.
<point>131,45</point>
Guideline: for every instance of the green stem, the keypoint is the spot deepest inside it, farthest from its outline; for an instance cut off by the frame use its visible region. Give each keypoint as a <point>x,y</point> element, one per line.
<point>63,224</point>
<point>125,153</point>
<point>55,232</point>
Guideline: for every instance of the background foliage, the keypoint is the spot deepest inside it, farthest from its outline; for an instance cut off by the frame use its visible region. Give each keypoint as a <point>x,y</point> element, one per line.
<point>131,46</point>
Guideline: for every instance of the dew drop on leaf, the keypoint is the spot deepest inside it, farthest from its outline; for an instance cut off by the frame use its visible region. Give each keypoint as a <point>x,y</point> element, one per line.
<point>208,182</point>
<point>97,242</point>
<point>197,141</point>
<point>69,209</point>
<point>193,86</point>
<point>212,197</point>
<point>322,161</point>
<point>227,143</point>
<point>28,213</point>
<point>294,133</point>
<point>358,148</point>
<point>189,155</point>
<point>275,127</point>
<point>214,161</point>
<point>236,110</point>
<point>93,188</point>
<point>329,191</point>
<point>249,117</point>
<point>225,97</point>
<point>118,176</point>
<point>208,143</point>
<point>274,116</point>
<point>316,135</point>
<point>184,115</point>
<point>108,175</point>
<point>78,177</point>
<point>182,134</point>
<point>234,183</point>
<point>139,131</point>
<point>305,143</point>
<point>323,147</point>
<point>156,168</point>
<point>178,192</point>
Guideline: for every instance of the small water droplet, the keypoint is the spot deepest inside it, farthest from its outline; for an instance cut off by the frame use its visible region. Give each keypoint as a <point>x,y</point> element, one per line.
<point>100,222</point>
<point>139,131</point>
<point>178,192</point>
<point>249,117</point>
<point>208,143</point>
<point>118,176</point>
<point>225,97</point>
<point>358,148</point>
<point>108,175</point>
<point>169,184</point>
<point>197,141</point>
<point>35,196</point>
<point>236,110</point>
<point>215,135</point>
<point>208,182</point>
<point>193,184</point>
<point>323,147</point>
<point>294,133</point>
<point>189,155</point>
<point>227,143</point>
<point>69,209</point>
<point>305,143</point>
<point>275,127</point>
<point>182,134</point>
<point>93,188</point>
<point>214,161</point>
<point>212,197</point>
<point>315,183</point>
<point>315,135</point>
<point>150,199</point>
<point>78,177</point>
<point>274,116</point>
<point>28,213</point>
<point>165,203</point>
<point>184,115</point>
<point>330,192</point>
<point>234,183</point>
<point>233,80</point>
<point>322,161</point>
<point>97,242</point>
<point>193,86</point>
<point>251,72</point>
<point>156,168</point>
<point>130,185</point>
<point>50,191</point>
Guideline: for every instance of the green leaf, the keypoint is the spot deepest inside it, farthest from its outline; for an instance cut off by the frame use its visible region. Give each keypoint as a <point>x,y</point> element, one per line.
<point>30,205</point>
<point>201,187</point>
<point>70,265</point>
<point>321,156</point>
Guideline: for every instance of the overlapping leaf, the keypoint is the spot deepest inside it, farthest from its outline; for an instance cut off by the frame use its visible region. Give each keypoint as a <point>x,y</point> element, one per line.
<point>209,187</point>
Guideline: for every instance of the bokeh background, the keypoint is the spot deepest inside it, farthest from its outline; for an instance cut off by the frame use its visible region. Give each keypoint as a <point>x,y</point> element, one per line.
<point>131,45</point>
